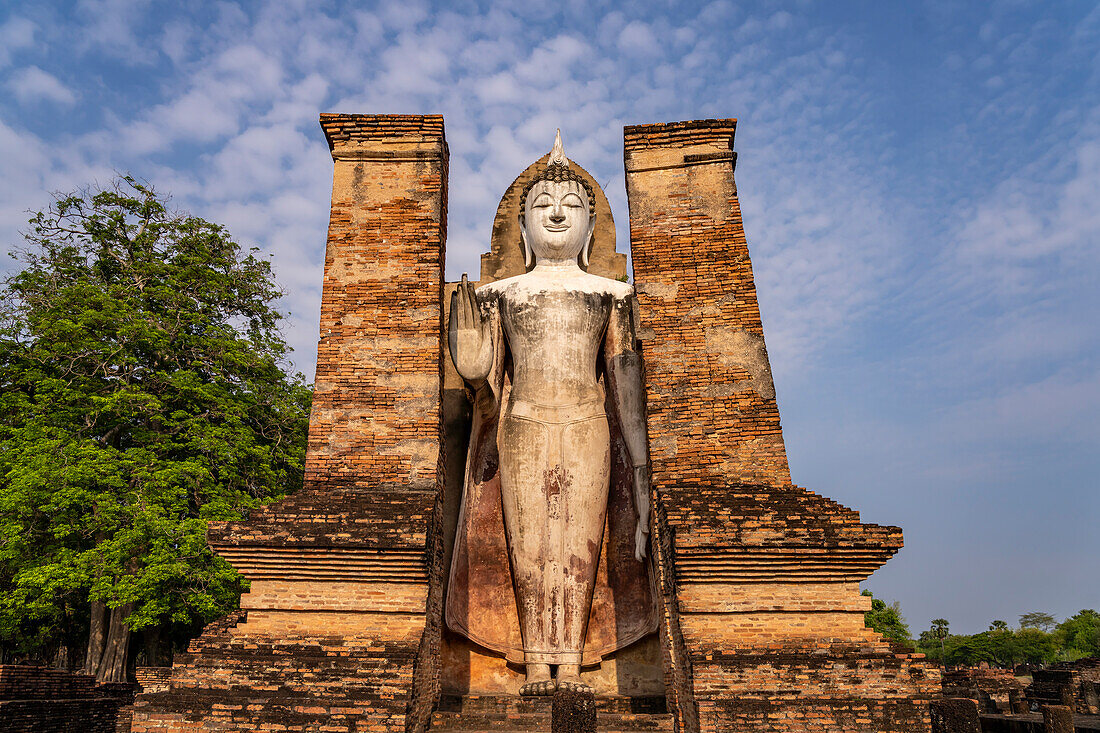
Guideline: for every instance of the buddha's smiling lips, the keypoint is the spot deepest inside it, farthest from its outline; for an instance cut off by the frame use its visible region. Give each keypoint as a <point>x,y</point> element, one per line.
<point>556,229</point>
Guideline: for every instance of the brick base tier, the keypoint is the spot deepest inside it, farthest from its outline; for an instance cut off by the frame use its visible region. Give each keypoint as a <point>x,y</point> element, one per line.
<point>236,678</point>
<point>511,714</point>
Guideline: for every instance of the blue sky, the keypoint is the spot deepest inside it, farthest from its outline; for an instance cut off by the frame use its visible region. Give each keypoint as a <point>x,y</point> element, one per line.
<point>920,185</point>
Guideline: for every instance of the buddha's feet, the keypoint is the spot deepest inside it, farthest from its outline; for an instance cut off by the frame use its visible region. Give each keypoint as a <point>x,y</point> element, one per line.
<point>538,680</point>
<point>569,678</point>
<point>538,687</point>
<point>574,686</point>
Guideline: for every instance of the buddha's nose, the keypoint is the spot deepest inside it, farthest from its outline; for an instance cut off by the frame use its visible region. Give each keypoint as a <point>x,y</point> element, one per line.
<point>557,217</point>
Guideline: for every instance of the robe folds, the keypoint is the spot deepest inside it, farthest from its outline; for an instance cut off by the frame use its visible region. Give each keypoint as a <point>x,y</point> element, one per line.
<point>481,601</point>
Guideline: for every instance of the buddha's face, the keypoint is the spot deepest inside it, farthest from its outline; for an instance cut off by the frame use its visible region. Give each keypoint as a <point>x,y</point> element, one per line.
<point>556,223</point>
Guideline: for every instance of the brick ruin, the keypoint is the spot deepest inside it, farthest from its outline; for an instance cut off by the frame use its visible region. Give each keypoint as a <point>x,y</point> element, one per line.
<point>762,621</point>
<point>45,700</point>
<point>1073,684</point>
<point>995,690</point>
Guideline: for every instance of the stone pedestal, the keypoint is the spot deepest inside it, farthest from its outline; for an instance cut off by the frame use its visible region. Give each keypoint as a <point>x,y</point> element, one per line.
<point>763,621</point>
<point>340,630</point>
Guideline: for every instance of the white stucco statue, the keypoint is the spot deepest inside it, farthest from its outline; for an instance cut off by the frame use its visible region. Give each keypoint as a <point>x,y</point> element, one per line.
<point>548,353</point>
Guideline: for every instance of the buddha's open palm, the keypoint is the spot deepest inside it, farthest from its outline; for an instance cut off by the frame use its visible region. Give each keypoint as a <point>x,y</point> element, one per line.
<point>468,335</point>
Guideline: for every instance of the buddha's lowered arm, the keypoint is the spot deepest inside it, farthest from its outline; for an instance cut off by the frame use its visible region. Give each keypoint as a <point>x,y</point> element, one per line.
<point>624,372</point>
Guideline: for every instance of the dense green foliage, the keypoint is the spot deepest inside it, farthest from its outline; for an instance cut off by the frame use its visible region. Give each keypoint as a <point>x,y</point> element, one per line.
<point>1040,639</point>
<point>142,395</point>
<point>1078,636</point>
<point>887,620</point>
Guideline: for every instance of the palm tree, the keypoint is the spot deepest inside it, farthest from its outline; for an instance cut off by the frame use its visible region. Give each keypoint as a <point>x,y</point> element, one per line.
<point>939,630</point>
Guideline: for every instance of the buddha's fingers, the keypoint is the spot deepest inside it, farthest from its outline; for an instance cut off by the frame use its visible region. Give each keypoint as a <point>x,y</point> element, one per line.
<point>465,315</point>
<point>454,324</point>
<point>471,307</point>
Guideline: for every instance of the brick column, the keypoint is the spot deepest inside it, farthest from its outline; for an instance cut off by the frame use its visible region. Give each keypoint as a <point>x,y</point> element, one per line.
<point>375,420</point>
<point>759,578</point>
<point>705,355</point>
<point>340,629</point>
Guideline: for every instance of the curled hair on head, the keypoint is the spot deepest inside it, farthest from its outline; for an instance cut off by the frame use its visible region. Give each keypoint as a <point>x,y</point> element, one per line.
<point>558,173</point>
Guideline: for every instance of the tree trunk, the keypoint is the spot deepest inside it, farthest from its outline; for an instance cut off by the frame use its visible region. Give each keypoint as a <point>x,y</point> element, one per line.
<point>116,650</point>
<point>97,638</point>
<point>151,637</point>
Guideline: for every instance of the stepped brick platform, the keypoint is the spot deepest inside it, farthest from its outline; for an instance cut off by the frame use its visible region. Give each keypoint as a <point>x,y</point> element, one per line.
<point>762,617</point>
<point>512,714</point>
<point>340,630</point>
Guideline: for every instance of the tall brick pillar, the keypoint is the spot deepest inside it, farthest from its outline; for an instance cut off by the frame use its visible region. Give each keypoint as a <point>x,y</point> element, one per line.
<point>340,629</point>
<point>763,621</point>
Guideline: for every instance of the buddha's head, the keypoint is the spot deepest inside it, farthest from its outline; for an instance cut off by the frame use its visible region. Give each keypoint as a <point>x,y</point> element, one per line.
<point>557,213</point>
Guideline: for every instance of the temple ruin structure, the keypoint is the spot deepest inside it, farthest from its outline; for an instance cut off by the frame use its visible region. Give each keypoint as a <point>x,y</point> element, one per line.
<point>759,620</point>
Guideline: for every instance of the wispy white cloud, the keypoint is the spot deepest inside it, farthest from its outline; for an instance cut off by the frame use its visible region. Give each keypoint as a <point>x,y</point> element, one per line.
<point>16,34</point>
<point>31,84</point>
<point>109,27</point>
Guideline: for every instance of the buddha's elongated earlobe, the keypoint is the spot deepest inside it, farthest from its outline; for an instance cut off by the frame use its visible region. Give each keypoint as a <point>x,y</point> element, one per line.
<point>528,255</point>
<point>586,250</point>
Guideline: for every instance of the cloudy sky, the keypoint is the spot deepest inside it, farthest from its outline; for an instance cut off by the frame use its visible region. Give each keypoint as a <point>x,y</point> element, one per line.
<point>920,184</point>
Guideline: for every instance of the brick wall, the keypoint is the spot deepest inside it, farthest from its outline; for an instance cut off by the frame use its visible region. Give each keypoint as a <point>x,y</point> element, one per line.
<point>992,688</point>
<point>1074,683</point>
<point>44,700</point>
<point>340,630</point>
<point>763,618</point>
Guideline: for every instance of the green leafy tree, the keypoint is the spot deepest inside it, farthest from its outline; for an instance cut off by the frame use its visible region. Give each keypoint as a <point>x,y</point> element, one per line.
<point>1036,646</point>
<point>969,650</point>
<point>142,395</point>
<point>929,645</point>
<point>1038,620</point>
<point>887,620</point>
<point>1000,641</point>
<point>1080,634</point>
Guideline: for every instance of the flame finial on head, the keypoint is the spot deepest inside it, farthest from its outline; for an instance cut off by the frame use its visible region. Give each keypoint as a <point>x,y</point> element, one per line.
<point>557,153</point>
<point>557,170</point>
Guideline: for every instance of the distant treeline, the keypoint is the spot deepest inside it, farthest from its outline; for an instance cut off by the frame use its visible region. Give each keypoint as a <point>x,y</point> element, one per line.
<point>1038,639</point>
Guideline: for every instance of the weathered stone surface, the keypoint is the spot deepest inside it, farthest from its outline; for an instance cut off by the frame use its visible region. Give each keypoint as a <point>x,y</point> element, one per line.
<point>514,714</point>
<point>573,712</point>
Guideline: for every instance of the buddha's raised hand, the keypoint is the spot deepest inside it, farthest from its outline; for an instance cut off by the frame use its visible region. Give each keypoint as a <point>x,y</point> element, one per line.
<point>468,335</point>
